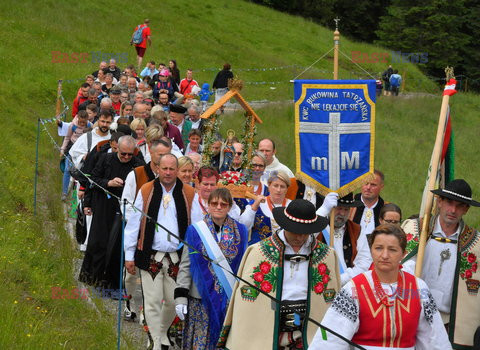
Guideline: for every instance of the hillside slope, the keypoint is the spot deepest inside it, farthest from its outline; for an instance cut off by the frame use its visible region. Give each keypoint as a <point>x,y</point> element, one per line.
<point>36,254</point>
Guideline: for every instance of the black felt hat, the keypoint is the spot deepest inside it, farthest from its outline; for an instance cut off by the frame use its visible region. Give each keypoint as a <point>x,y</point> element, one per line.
<point>348,201</point>
<point>458,190</point>
<point>177,109</point>
<point>299,217</point>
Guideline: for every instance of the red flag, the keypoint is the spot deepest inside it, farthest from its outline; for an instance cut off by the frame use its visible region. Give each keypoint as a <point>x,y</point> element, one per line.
<point>450,88</point>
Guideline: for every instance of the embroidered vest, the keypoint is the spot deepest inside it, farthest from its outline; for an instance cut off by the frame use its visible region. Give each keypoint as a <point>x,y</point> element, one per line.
<point>262,227</point>
<point>143,174</point>
<point>152,196</point>
<point>353,230</point>
<point>383,326</point>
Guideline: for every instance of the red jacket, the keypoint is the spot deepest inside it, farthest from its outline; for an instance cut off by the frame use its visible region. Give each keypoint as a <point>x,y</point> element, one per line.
<point>77,102</point>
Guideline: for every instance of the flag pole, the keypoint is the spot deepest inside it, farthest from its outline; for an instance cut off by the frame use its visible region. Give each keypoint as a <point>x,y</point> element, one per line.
<point>336,40</point>
<point>437,149</point>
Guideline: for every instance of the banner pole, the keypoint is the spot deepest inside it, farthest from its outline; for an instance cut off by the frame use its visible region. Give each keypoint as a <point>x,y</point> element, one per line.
<point>59,93</point>
<point>36,170</point>
<point>437,149</point>
<point>332,226</point>
<point>336,41</point>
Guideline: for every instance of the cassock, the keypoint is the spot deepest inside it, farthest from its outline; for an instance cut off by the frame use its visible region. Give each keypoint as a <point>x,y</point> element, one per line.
<point>101,264</point>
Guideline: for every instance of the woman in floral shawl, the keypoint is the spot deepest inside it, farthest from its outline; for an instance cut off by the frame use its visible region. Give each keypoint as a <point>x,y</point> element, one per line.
<point>204,288</point>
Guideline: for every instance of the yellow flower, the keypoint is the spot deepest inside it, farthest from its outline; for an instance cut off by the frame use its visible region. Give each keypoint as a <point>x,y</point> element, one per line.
<point>15,302</point>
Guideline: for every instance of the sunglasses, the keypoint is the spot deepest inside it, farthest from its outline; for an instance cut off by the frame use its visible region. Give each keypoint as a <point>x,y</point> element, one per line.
<point>238,153</point>
<point>125,154</point>
<point>258,166</point>
<point>215,204</point>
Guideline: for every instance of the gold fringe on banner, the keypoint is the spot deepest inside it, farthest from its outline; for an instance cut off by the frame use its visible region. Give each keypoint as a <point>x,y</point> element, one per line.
<point>342,191</point>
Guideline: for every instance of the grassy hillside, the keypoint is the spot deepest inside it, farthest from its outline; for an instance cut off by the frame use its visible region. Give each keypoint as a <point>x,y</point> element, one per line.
<point>35,253</point>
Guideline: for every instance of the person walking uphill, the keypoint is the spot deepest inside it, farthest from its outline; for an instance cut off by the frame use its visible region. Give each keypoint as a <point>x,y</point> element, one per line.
<point>141,35</point>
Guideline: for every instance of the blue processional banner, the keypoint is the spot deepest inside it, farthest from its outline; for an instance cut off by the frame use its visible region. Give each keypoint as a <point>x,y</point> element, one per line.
<point>334,133</point>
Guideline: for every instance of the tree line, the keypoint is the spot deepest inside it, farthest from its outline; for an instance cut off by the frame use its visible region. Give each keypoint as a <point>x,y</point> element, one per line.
<point>447,31</point>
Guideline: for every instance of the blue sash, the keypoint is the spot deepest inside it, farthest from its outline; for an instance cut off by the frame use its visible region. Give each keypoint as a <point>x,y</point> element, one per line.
<point>209,278</point>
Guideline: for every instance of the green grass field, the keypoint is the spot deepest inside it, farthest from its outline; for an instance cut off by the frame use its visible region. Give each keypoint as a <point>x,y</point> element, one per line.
<point>35,252</point>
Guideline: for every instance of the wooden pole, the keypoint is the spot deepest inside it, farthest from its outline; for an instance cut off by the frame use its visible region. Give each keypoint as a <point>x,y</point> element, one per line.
<point>336,40</point>
<point>404,78</point>
<point>437,152</point>
<point>59,101</point>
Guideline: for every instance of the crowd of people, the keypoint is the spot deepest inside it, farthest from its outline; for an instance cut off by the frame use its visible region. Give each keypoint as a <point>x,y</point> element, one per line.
<point>252,273</point>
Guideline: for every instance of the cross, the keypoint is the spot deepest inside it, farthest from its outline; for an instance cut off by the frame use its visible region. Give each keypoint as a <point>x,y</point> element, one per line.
<point>336,20</point>
<point>334,129</point>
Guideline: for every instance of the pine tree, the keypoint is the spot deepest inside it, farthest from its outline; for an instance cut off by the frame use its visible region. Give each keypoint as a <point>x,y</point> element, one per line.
<point>431,26</point>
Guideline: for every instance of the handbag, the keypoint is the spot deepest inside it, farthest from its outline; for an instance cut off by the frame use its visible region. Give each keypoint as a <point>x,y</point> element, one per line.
<point>81,225</point>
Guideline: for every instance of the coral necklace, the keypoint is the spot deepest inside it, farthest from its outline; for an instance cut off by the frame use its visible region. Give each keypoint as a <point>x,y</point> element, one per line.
<point>271,205</point>
<point>380,292</point>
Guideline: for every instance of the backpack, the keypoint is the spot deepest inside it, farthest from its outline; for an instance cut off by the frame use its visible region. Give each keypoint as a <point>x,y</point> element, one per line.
<point>394,80</point>
<point>138,35</point>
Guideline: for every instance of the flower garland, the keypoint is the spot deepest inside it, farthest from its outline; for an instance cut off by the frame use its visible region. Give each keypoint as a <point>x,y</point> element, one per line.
<point>247,139</point>
<point>212,125</point>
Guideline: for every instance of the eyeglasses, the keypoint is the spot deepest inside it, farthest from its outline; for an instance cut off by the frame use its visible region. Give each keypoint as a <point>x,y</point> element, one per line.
<point>395,222</point>
<point>238,153</point>
<point>215,204</point>
<point>258,166</point>
<point>125,154</point>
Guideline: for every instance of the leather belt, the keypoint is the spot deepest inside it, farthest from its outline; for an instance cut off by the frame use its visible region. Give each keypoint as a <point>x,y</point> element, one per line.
<point>292,314</point>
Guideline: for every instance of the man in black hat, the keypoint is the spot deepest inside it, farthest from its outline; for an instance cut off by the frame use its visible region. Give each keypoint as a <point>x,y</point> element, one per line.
<point>450,265</point>
<point>292,267</point>
<point>350,244</point>
<point>177,118</point>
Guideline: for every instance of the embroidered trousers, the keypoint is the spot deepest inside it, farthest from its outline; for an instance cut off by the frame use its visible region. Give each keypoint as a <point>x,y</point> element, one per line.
<point>159,305</point>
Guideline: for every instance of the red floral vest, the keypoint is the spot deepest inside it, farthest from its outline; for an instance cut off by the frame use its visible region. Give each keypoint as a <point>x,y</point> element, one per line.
<point>384,326</point>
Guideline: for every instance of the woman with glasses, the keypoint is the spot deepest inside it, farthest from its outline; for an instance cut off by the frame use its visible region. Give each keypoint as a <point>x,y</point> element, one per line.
<point>204,288</point>
<point>390,214</point>
<point>258,216</point>
<point>257,168</point>
<point>386,307</point>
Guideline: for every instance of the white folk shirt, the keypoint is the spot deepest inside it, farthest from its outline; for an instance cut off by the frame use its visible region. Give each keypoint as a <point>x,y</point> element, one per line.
<point>439,281</point>
<point>343,317</point>
<point>367,222</point>
<point>196,125</point>
<point>80,147</point>
<point>167,217</point>
<point>310,195</point>
<point>295,275</point>
<point>362,261</point>
<point>198,214</point>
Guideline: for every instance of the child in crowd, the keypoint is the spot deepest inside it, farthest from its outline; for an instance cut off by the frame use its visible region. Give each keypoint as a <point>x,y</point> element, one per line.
<point>205,94</point>
<point>77,127</point>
